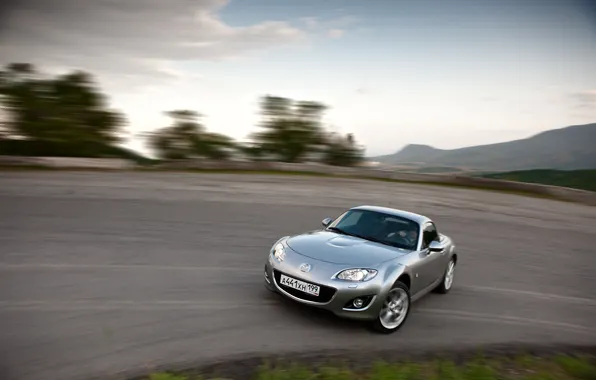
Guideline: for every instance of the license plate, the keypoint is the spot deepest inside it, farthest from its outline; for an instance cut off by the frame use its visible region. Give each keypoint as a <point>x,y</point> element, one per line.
<point>300,285</point>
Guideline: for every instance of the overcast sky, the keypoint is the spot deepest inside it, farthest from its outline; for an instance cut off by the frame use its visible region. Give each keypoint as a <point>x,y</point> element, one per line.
<point>448,73</point>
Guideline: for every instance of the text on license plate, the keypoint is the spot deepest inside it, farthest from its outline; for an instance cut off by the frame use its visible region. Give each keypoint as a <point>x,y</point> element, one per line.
<point>300,285</point>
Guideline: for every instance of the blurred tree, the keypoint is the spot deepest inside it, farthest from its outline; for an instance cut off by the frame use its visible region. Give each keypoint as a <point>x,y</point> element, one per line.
<point>342,151</point>
<point>65,115</point>
<point>291,130</point>
<point>187,138</point>
<point>251,151</point>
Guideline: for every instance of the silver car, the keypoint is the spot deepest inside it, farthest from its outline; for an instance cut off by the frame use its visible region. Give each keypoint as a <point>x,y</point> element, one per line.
<point>369,264</point>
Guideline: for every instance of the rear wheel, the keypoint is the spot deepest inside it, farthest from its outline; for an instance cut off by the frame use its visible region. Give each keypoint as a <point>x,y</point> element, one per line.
<point>395,309</point>
<point>445,285</point>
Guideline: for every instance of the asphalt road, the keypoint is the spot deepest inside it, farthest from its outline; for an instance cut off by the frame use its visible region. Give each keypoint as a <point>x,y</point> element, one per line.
<point>104,272</point>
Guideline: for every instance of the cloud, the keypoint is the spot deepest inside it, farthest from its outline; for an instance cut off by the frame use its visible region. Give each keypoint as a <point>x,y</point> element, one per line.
<point>342,22</point>
<point>336,33</point>
<point>132,39</point>
<point>584,105</point>
<point>310,22</point>
<point>585,99</point>
<point>333,26</point>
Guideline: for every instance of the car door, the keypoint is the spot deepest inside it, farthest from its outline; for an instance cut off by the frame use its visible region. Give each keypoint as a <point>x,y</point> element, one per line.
<point>431,263</point>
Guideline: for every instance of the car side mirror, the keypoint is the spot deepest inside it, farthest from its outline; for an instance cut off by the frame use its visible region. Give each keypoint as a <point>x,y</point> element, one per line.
<point>326,222</point>
<point>436,246</point>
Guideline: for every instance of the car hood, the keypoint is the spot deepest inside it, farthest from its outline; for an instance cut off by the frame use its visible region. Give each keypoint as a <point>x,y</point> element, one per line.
<point>342,249</point>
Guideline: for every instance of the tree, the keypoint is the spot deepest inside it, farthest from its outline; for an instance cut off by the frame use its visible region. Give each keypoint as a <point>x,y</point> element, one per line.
<point>65,115</point>
<point>342,150</point>
<point>187,138</point>
<point>291,130</point>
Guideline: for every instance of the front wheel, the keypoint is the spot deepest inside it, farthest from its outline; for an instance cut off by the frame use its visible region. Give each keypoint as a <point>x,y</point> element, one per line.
<point>445,285</point>
<point>395,309</point>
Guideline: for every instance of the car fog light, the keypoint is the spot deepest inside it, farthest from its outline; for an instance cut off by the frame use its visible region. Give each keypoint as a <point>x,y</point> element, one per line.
<point>358,302</point>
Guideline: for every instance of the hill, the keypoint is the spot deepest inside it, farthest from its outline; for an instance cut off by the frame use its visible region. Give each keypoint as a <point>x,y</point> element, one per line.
<point>569,148</point>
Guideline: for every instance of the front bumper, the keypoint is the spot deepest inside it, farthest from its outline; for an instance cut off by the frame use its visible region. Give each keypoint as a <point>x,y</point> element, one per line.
<point>334,296</point>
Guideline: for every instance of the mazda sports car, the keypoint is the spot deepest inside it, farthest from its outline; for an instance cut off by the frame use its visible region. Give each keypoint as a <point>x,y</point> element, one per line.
<point>369,264</point>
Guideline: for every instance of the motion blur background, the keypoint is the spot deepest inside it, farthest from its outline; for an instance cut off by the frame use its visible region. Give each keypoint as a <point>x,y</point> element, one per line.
<point>336,82</point>
<point>150,263</point>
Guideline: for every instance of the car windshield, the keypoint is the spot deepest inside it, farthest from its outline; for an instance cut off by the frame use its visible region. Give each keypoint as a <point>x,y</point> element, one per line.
<point>378,227</point>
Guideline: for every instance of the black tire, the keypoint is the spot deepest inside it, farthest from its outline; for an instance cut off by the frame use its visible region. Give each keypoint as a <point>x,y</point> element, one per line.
<point>379,327</point>
<point>442,288</point>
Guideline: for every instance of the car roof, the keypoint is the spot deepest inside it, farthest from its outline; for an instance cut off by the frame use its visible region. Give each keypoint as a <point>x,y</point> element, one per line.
<point>420,219</point>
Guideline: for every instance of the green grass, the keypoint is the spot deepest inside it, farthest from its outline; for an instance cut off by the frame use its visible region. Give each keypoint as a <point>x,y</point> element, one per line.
<point>167,376</point>
<point>577,179</point>
<point>518,368</point>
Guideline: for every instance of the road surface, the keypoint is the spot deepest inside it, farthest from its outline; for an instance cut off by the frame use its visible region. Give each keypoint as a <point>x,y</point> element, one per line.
<point>103,273</point>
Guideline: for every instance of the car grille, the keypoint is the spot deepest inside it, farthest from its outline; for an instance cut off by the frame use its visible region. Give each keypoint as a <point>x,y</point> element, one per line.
<point>325,294</point>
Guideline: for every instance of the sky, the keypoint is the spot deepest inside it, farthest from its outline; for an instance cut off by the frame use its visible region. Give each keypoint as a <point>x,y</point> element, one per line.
<point>445,73</point>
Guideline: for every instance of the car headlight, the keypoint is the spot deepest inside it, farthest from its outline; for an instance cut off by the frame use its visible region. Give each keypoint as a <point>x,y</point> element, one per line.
<point>279,252</point>
<point>357,274</point>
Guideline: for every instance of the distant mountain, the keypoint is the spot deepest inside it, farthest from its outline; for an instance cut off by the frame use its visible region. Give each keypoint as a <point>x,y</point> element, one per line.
<point>569,148</point>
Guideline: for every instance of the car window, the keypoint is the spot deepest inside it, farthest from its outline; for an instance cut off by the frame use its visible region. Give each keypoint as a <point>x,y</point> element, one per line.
<point>379,227</point>
<point>429,234</point>
<point>351,219</point>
